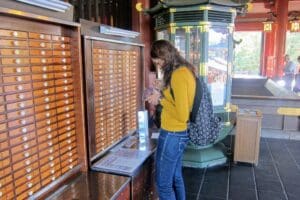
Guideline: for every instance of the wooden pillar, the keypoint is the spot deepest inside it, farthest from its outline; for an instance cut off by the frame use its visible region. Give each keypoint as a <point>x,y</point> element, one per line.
<point>268,54</point>
<point>142,23</point>
<point>282,25</point>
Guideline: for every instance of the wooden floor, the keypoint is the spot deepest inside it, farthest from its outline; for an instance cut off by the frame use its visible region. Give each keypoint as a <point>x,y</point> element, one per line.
<point>277,176</point>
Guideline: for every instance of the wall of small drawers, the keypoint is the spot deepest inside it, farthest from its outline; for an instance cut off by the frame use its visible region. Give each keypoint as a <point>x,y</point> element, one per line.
<point>114,81</point>
<point>40,105</point>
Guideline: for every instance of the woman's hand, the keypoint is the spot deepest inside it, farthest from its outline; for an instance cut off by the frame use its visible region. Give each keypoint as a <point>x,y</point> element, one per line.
<point>154,98</point>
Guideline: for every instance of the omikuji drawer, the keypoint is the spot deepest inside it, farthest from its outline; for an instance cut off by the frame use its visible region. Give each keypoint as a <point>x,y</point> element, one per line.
<point>44,99</point>
<point>6,192</point>
<point>43,69</point>
<point>44,92</point>
<point>52,173</point>
<point>67,129</point>
<point>61,38</point>
<point>39,36</point>
<point>16,79</point>
<point>27,177</point>
<point>48,130</point>
<point>45,107</point>
<point>3,127</point>
<point>65,115</point>
<point>43,84</point>
<point>45,76</point>
<point>66,122</point>
<point>40,52</point>
<point>24,154</point>
<point>63,81</point>
<point>62,67</point>
<point>64,95</point>
<point>13,43</point>
<point>61,46</point>
<point>49,158</point>
<point>46,152</point>
<point>29,192</point>
<point>67,148</point>
<point>65,109</point>
<point>67,142</point>
<point>20,113</point>
<point>62,53</point>
<point>40,44</point>
<point>14,70</point>
<point>69,166</point>
<point>45,115</point>
<point>42,61</point>
<point>25,163</point>
<point>28,185</point>
<point>65,102</point>
<point>12,33</point>
<point>54,163</point>
<point>61,60</point>
<point>63,75</point>
<point>46,122</point>
<point>14,52</point>
<point>51,178</point>
<point>18,88</point>
<point>22,138</point>
<point>21,122</point>
<point>23,147</point>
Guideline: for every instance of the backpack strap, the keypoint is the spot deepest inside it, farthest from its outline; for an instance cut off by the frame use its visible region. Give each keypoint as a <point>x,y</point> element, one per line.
<point>197,99</point>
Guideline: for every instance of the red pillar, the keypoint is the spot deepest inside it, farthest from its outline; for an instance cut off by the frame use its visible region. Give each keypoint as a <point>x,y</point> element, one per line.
<point>142,23</point>
<point>282,25</point>
<point>268,55</point>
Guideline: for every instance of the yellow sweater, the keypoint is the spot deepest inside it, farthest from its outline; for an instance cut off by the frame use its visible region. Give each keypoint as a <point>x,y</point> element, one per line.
<point>175,113</point>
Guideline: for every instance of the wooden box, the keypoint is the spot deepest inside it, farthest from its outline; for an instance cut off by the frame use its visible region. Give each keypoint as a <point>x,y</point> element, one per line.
<point>42,134</point>
<point>247,138</point>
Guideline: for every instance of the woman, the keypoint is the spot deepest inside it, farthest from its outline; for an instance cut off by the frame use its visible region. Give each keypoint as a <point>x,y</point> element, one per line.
<point>177,98</point>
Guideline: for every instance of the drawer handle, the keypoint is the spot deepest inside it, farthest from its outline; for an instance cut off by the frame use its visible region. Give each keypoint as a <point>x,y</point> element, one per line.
<point>19,78</point>
<point>47,107</point>
<point>68,122</point>
<point>68,128</point>
<point>64,67</point>
<point>16,52</point>
<point>23,122</point>
<point>27,162</point>
<point>63,53</point>
<point>30,193</point>
<point>15,34</point>
<point>69,148</point>
<point>28,170</point>
<point>51,150</point>
<point>65,81</point>
<point>29,185</point>
<point>42,36</point>
<point>67,108</point>
<point>20,87</point>
<point>43,53</point>
<point>19,70</point>
<point>71,167</point>
<point>49,136</point>
<point>42,44</point>
<point>47,99</point>
<point>25,138</point>
<point>53,178</point>
<point>46,91</point>
<point>69,141</point>
<point>52,171</point>
<point>64,60</point>
<point>51,164</point>
<point>21,105</point>
<point>51,158</point>
<point>45,84</point>
<point>70,154</point>
<point>70,160</point>
<point>44,68</point>
<point>29,177</point>
<point>26,154</point>
<point>43,60</point>
<point>62,39</point>
<point>26,146</point>
<point>63,46</point>
<point>65,75</point>
<point>66,95</point>
<point>24,130</point>
<point>47,114</point>
<point>48,122</point>
<point>16,43</point>
<point>67,115</point>
<point>23,113</point>
<point>69,135</point>
<point>50,144</point>
<point>66,101</point>
<point>45,76</point>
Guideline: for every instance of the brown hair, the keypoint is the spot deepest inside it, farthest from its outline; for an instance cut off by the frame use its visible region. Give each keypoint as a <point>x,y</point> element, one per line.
<point>164,50</point>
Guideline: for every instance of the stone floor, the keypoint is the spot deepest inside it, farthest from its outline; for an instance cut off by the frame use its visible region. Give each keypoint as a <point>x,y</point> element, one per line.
<point>276,177</point>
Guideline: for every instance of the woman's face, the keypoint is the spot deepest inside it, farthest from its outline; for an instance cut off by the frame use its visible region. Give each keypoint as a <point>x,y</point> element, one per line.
<point>158,62</point>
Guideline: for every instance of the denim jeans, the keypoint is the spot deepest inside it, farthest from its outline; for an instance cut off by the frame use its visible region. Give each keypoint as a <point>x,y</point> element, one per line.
<point>168,166</point>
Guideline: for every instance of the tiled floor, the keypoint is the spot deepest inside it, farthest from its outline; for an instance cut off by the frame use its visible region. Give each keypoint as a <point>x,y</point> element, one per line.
<point>277,176</point>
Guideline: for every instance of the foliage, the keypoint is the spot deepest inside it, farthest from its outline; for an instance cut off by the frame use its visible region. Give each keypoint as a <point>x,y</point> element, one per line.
<point>293,45</point>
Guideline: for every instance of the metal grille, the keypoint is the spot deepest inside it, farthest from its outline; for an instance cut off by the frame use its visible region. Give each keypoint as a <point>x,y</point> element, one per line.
<point>189,16</point>
<point>162,19</point>
<point>219,16</point>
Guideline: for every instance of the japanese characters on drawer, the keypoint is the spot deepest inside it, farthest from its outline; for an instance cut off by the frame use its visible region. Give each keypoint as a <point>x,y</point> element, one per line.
<point>38,104</point>
<point>115,95</point>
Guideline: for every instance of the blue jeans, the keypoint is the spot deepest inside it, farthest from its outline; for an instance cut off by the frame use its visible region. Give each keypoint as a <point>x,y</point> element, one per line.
<point>168,166</point>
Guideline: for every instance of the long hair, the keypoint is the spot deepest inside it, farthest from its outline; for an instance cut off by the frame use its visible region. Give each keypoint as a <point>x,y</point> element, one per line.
<point>164,50</point>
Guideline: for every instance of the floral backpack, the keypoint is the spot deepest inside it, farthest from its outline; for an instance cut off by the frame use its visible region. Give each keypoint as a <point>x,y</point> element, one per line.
<point>203,126</point>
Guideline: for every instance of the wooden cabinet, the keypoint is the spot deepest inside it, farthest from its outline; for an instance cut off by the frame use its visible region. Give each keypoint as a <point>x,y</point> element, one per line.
<point>247,138</point>
<point>42,139</point>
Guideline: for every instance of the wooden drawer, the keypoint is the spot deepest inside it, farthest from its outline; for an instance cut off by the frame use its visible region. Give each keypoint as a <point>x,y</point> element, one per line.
<point>64,102</point>
<point>47,133</point>
<point>20,113</point>
<point>46,122</point>
<point>15,61</point>
<point>19,105</point>
<point>42,69</point>
<point>64,81</point>
<point>48,159</point>
<point>3,136</point>
<point>62,60</point>
<point>15,70</point>
<point>45,107</point>
<point>45,76</point>
<point>45,115</point>
<point>39,36</point>
<point>49,143</point>
<point>6,161</point>
<point>64,116</point>
<point>64,88</point>
<point>61,46</point>
<point>13,33</point>
<point>22,138</point>
<point>62,67</point>
<point>53,171</point>
<point>3,155</point>
<point>51,178</point>
<point>29,192</point>
<point>13,43</point>
<point>44,99</point>
<point>68,166</point>
<point>21,122</point>
<point>53,164</point>
<point>25,163</point>
<point>67,148</point>
<point>61,38</point>
<point>24,154</point>
<point>62,53</point>
<point>47,152</point>
<point>43,84</point>
<point>64,145</point>
<point>14,52</point>
<point>44,92</point>
<point>40,44</point>
<point>66,133</point>
<point>23,147</point>
<point>3,127</point>
<point>6,192</point>
<point>63,75</point>
<point>26,170</point>
<point>66,122</point>
<point>40,52</point>
<point>43,61</point>
<point>64,109</point>
<point>16,79</point>
<point>64,95</point>
<point>28,186</point>
<point>28,177</point>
